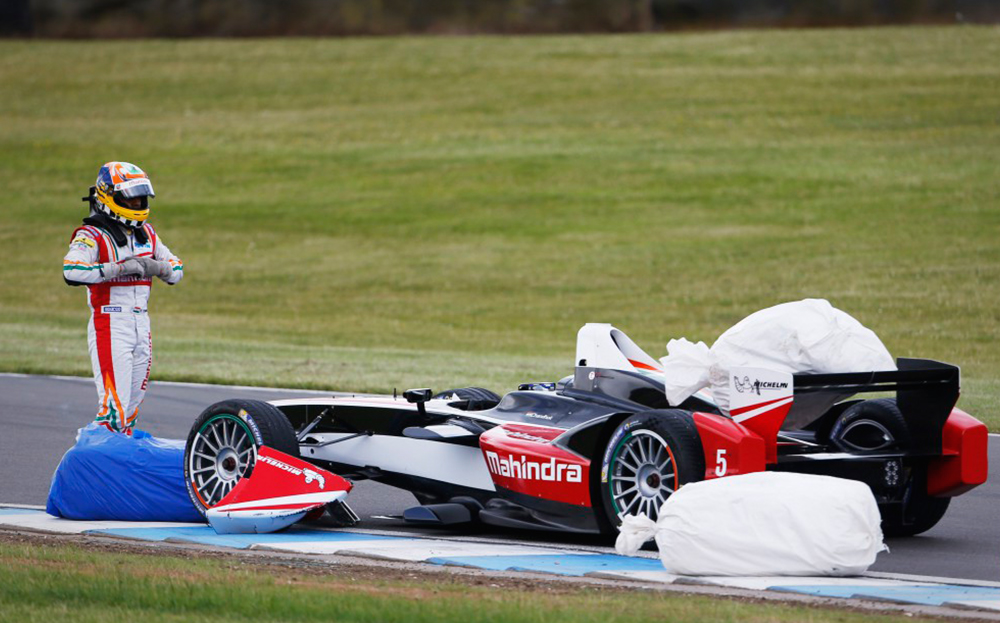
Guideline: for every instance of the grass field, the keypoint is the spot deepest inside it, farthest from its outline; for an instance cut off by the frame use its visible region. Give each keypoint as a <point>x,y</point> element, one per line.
<point>365,214</point>
<point>68,583</point>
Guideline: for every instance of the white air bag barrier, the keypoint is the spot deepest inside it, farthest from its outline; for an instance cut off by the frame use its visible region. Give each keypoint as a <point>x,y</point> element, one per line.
<point>809,336</point>
<point>767,523</point>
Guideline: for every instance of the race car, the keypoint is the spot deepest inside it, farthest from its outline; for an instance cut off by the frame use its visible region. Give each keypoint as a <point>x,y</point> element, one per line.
<point>579,454</point>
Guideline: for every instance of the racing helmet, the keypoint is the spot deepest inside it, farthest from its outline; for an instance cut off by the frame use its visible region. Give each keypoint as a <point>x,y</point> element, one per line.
<point>119,185</point>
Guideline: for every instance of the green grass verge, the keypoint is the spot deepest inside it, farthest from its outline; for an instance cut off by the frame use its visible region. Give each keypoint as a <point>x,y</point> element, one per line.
<point>67,583</point>
<point>360,214</point>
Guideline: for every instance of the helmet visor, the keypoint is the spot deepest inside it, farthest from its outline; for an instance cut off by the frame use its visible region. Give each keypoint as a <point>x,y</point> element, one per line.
<point>135,188</point>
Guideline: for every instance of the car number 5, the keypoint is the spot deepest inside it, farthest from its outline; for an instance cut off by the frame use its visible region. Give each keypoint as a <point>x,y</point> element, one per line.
<point>720,463</point>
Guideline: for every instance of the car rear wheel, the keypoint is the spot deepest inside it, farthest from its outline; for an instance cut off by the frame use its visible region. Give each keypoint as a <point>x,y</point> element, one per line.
<point>222,446</point>
<point>646,459</point>
<point>870,426</point>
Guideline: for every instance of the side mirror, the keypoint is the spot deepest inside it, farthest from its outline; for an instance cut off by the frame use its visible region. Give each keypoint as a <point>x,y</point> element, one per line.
<point>418,395</point>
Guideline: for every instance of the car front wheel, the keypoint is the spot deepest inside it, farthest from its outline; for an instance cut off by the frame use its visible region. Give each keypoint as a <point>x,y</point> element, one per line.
<point>222,446</point>
<point>648,457</point>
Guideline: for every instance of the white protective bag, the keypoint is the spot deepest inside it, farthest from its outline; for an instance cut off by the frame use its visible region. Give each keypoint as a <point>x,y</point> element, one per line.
<point>808,336</point>
<point>766,523</point>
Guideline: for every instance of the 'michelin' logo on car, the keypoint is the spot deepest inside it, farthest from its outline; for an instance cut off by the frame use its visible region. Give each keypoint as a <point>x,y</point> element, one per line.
<point>309,474</point>
<point>520,467</point>
<point>756,385</point>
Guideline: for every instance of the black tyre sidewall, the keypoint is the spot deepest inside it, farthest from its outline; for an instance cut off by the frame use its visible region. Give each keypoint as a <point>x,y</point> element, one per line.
<point>677,429</point>
<point>881,410</point>
<point>267,425</point>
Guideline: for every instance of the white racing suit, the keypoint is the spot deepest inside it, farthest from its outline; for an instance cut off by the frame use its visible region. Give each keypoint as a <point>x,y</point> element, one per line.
<point>118,334</point>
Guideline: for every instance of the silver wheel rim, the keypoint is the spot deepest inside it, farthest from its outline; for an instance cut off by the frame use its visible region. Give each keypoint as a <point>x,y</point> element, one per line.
<point>642,475</point>
<point>887,437</point>
<point>221,453</point>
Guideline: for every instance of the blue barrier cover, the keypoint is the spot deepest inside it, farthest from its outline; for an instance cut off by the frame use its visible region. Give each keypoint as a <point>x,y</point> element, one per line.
<point>111,476</point>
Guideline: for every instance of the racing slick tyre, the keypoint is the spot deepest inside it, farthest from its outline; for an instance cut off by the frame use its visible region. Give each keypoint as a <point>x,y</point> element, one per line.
<point>474,398</point>
<point>869,426</point>
<point>222,446</point>
<point>648,456</point>
<point>920,512</point>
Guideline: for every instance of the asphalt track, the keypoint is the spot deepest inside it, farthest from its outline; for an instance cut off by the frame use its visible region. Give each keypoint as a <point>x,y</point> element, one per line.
<point>39,416</point>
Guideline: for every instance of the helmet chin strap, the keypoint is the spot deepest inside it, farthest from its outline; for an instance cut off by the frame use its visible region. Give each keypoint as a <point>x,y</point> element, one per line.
<point>101,219</point>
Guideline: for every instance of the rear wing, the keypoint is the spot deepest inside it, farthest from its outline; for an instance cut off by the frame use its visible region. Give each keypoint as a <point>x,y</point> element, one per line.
<point>926,392</point>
